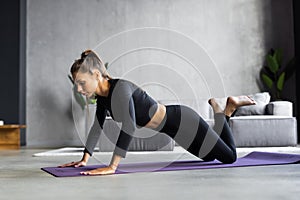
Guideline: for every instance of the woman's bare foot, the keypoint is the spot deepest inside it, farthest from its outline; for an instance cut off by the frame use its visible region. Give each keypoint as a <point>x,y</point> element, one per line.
<point>215,105</point>
<point>235,102</point>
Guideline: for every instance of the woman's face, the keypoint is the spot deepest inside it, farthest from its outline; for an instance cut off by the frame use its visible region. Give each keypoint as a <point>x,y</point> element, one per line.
<point>86,83</point>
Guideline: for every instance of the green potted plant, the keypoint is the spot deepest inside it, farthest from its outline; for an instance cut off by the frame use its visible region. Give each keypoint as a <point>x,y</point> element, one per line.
<point>274,75</point>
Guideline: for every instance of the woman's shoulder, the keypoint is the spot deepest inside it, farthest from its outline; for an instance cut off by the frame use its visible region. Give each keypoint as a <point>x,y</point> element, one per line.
<point>122,82</point>
<point>123,87</point>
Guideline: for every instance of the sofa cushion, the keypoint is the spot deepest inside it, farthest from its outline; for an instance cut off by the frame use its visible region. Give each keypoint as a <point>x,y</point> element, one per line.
<point>261,99</point>
<point>280,108</point>
<point>264,130</point>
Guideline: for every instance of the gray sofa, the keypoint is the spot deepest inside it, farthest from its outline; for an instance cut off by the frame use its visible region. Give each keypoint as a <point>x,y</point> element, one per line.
<point>276,127</point>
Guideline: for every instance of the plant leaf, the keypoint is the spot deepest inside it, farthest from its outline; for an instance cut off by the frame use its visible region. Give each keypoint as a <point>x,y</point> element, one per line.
<point>280,81</point>
<point>106,65</point>
<point>267,80</point>
<point>79,99</point>
<point>278,56</point>
<point>272,64</point>
<point>92,101</point>
<point>266,70</point>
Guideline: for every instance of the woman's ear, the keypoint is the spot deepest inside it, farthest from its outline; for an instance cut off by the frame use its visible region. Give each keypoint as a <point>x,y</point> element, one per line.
<point>97,73</point>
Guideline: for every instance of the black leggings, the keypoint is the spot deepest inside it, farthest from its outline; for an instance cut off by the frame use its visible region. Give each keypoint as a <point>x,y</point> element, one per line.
<point>191,132</point>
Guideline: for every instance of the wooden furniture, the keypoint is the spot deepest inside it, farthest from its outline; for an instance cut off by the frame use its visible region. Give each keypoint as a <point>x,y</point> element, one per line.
<point>10,136</point>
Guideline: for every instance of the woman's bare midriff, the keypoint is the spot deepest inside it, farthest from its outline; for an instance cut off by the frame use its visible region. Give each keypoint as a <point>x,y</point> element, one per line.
<point>157,117</point>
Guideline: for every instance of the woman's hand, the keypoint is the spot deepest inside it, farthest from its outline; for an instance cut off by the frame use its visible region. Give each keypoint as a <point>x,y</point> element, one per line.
<point>111,169</point>
<point>74,164</point>
<point>100,171</point>
<point>81,163</point>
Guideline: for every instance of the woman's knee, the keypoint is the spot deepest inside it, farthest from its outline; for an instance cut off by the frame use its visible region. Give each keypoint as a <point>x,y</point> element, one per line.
<point>230,159</point>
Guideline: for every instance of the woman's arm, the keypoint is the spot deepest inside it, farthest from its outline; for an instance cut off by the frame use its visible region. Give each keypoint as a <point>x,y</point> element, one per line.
<point>115,160</point>
<point>92,139</point>
<point>96,130</point>
<point>123,109</point>
<point>85,157</point>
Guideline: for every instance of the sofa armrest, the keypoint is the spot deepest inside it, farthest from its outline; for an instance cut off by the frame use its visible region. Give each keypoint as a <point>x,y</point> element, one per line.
<point>280,108</point>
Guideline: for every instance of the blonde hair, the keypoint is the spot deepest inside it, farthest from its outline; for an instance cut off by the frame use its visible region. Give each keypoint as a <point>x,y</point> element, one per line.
<point>89,61</point>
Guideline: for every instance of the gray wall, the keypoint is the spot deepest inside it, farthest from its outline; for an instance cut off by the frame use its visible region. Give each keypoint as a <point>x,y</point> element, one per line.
<point>198,49</point>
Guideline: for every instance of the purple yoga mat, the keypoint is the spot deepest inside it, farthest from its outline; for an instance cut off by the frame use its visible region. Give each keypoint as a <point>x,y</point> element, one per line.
<point>252,159</point>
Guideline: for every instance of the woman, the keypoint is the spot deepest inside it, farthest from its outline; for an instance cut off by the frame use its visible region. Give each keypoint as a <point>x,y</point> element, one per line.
<point>133,107</point>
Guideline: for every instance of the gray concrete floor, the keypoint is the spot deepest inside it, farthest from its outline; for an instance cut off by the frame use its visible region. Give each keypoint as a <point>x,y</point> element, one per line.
<point>21,178</point>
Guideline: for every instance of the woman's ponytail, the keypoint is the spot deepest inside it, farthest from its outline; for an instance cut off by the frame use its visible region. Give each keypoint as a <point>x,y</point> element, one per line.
<point>88,61</point>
